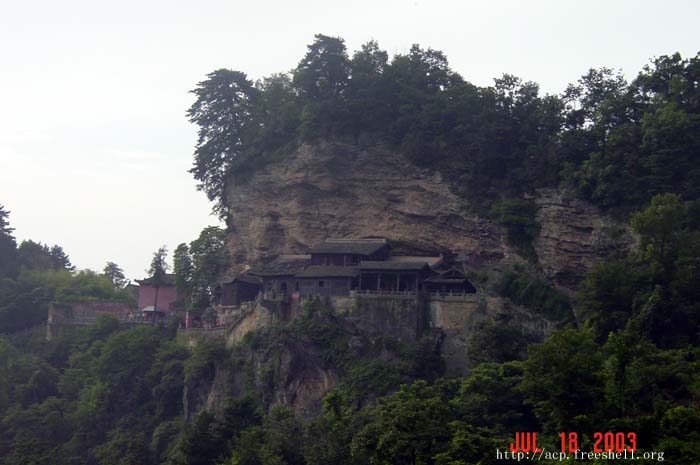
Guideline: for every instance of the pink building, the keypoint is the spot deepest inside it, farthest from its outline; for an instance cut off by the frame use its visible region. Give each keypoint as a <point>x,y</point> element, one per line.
<point>167,295</point>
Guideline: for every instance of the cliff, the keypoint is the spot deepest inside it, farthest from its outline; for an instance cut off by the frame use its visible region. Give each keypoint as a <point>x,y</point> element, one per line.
<point>334,190</point>
<point>337,190</point>
<point>340,191</point>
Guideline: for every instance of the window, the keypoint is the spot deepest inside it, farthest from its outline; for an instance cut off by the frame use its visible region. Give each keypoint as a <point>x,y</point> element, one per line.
<point>320,284</point>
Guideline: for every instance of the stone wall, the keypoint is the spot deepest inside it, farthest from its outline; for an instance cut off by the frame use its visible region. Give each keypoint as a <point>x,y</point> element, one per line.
<point>399,315</point>
<point>452,312</point>
<point>252,317</point>
<point>66,316</point>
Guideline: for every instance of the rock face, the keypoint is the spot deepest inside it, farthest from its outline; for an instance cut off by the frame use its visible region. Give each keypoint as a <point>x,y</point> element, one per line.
<point>342,191</point>
<point>337,190</point>
<point>573,235</point>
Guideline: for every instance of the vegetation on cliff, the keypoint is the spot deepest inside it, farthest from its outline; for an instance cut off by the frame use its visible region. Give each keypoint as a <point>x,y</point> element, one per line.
<point>110,395</point>
<point>33,274</point>
<point>199,265</point>
<point>617,143</point>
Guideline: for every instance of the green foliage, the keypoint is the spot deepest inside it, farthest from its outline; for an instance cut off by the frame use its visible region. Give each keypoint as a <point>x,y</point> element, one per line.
<point>34,274</point>
<point>535,294</point>
<point>37,256</point>
<point>159,266</point>
<point>499,340</point>
<point>200,266</point>
<point>24,301</point>
<point>115,396</point>
<point>491,398</point>
<point>409,426</point>
<point>633,141</point>
<point>94,397</point>
<point>183,268</point>
<point>115,274</point>
<point>223,111</point>
<point>112,395</point>
<point>8,246</point>
<point>617,143</point>
<point>518,218</point>
<point>654,286</point>
<point>202,364</point>
<point>323,72</point>
<point>328,341</point>
<point>562,382</point>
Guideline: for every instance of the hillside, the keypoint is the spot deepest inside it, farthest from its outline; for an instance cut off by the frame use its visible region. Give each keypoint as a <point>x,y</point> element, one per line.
<point>340,190</point>
<point>571,224</point>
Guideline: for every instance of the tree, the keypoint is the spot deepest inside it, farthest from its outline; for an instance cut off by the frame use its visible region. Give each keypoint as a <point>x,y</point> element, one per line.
<point>37,256</point>
<point>5,228</point>
<point>209,260</point>
<point>223,111</point>
<point>562,381</point>
<point>277,112</point>
<point>367,93</point>
<point>157,272</point>
<point>8,246</point>
<point>323,72</point>
<point>321,80</point>
<point>115,275</point>
<point>183,268</point>
<point>410,426</point>
<point>425,70</point>
<point>59,259</point>
<point>606,297</point>
<point>34,256</point>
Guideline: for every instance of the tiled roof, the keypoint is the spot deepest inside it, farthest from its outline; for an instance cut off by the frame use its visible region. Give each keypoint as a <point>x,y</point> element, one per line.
<point>317,271</point>
<point>284,265</point>
<point>390,265</point>
<point>243,277</point>
<point>350,246</point>
<point>167,280</point>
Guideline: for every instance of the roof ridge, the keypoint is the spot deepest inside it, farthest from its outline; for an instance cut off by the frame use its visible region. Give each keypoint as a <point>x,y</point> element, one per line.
<point>368,239</point>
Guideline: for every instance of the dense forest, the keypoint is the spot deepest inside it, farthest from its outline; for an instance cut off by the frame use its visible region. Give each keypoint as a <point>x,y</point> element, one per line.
<point>617,143</point>
<point>112,395</point>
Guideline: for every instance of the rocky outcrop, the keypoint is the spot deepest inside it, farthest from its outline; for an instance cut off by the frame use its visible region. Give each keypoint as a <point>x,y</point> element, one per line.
<point>341,191</point>
<point>294,374</point>
<point>335,190</point>
<point>573,235</point>
<point>338,190</point>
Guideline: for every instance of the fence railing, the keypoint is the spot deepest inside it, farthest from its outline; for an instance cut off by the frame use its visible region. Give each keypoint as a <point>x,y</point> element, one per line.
<point>359,292</point>
<point>451,295</point>
<point>88,320</point>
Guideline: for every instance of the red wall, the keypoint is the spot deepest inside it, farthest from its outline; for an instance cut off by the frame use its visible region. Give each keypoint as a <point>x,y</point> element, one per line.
<point>166,296</point>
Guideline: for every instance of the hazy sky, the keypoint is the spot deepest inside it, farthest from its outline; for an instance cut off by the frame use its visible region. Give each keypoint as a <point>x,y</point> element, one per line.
<point>94,142</point>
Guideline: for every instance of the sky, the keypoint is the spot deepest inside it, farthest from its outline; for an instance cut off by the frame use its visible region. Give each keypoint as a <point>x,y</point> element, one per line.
<point>95,145</point>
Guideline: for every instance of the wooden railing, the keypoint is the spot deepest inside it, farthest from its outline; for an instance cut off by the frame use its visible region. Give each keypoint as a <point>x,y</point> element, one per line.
<point>88,320</point>
<point>451,295</point>
<point>359,292</point>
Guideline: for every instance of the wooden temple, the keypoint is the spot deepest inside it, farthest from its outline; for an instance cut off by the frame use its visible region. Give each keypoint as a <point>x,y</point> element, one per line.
<point>336,267</point>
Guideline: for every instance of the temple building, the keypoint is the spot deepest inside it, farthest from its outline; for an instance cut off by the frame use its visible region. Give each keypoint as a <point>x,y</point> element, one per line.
<point>161,299</point>
<point>450,281</point>
<point>237,289</point>
<point>338,267</point>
